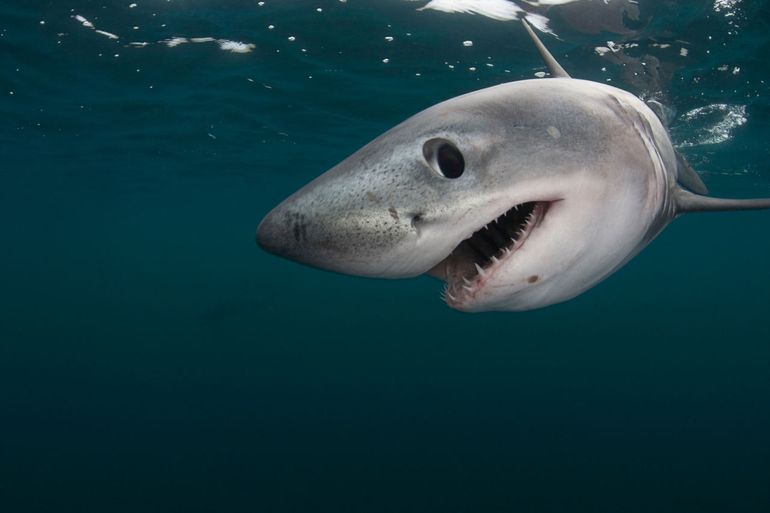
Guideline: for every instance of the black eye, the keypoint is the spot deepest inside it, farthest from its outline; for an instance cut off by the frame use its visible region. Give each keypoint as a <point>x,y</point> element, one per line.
<point>444,158</point>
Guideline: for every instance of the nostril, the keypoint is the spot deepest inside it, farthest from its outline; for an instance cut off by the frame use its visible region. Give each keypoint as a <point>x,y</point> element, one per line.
<point>416,221</point>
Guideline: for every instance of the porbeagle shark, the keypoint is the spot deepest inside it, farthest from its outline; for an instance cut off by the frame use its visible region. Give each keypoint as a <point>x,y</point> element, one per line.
<point>518,196</point>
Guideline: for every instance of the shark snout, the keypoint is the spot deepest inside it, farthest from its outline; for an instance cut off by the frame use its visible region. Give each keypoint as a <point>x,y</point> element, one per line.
<point>269,235</point>
<point>360,220</point>
<point>282,232</point>
<point>375,242</point>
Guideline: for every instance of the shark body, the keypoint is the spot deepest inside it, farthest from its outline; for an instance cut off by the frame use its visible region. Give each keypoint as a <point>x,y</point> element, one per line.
<point>517,196</point>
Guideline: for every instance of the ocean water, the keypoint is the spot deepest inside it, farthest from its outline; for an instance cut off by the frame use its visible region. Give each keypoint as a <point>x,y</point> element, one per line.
<point>153,359</point>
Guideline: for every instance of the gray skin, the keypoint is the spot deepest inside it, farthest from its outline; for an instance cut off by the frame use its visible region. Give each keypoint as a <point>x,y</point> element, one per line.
<point>599,161</point>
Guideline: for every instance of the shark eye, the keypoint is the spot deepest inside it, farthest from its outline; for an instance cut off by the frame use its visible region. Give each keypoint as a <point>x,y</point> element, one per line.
<point>444,158</point>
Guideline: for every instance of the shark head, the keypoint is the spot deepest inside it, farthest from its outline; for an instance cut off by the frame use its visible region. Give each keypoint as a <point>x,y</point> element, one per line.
<point>517,196</point>
<point>492,192</point>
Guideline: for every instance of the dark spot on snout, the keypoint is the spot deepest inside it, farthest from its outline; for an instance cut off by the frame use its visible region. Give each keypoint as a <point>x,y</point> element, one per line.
<point>372,197</point>
<point>298,229</point>
<point>533,278</point>
<point>393,213</point>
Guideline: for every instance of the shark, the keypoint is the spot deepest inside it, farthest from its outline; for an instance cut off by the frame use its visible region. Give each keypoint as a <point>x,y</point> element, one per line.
<point>517,196</point>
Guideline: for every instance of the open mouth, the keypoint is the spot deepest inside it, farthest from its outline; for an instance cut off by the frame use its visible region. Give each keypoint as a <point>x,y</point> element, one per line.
<point>468,268</point>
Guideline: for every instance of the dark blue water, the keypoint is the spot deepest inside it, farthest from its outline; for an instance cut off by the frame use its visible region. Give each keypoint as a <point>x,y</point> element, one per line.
<point>153,359</point>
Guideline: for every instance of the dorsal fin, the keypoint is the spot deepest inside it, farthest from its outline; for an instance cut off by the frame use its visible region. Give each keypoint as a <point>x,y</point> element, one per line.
<point>688,177</point>
<point>553,66</point>
<point>686,201</point>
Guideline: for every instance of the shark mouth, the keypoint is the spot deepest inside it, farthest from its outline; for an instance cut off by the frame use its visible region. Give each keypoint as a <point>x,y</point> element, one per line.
<point>476,259</point>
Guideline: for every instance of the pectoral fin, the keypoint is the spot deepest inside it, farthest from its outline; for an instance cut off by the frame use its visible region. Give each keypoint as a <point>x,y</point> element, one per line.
<point>686,201</point>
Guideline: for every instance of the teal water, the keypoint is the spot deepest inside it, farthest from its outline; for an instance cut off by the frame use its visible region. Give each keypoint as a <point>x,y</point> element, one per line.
<point>153,359</point>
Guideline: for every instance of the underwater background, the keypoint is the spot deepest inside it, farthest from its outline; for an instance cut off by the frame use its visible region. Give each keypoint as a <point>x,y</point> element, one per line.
<point>153,359</point>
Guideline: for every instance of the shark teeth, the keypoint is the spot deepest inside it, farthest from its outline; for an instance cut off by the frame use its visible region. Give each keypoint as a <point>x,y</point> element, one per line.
<point>497,238</point>
<point>478,256</point>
